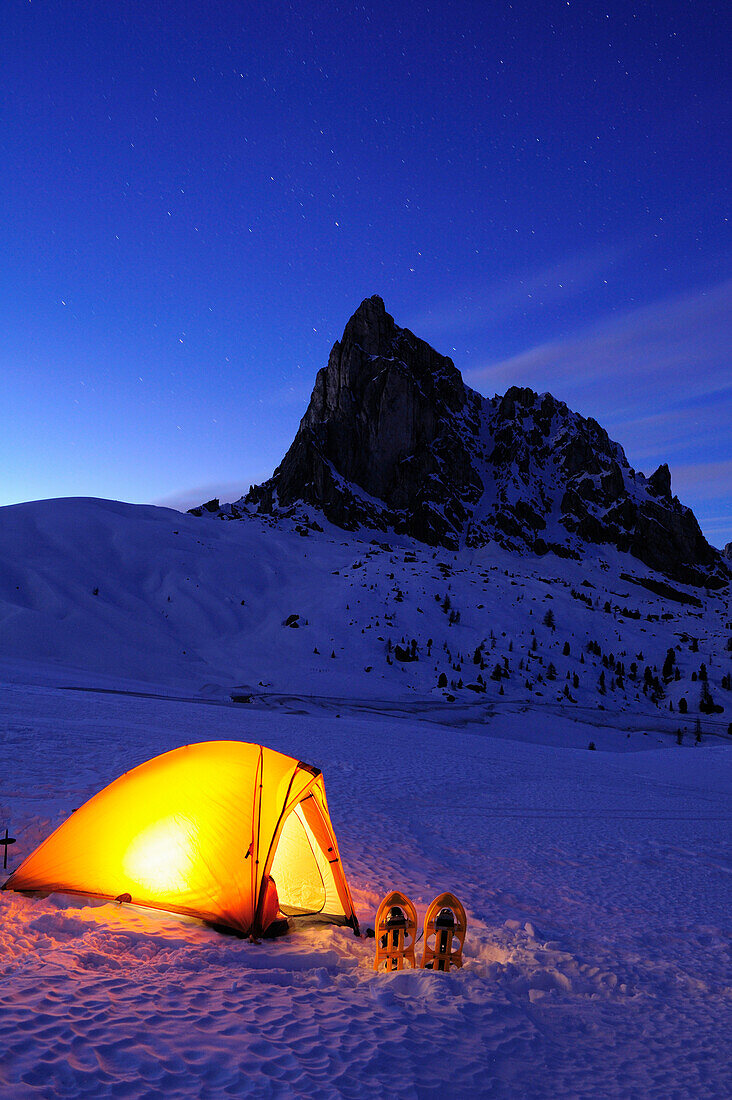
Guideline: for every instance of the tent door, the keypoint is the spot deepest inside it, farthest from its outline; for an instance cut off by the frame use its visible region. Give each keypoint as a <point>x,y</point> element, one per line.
<point>297,868</point>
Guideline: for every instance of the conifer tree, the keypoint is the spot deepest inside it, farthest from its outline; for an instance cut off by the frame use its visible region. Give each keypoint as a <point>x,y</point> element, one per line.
<point>668,664</point>
<point>706,703</point>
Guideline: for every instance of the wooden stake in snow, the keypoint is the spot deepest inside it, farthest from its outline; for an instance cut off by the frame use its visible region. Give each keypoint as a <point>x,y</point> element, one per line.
<point>6,840</point>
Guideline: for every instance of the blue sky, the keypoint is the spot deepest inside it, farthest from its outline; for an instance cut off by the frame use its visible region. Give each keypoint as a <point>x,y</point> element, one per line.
<point>195,197</point>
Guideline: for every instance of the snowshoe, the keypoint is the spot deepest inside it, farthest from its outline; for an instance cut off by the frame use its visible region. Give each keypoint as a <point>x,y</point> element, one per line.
<point>395,932</point>
<point>445,925</point>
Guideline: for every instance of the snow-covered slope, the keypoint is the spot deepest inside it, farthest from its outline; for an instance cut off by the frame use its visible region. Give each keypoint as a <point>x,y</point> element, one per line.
<point>596,885</point>
<point>596,882</point>
<point>152,596</point>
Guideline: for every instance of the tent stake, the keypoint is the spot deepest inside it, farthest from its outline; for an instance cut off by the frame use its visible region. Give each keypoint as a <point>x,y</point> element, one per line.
<point>6,840</point>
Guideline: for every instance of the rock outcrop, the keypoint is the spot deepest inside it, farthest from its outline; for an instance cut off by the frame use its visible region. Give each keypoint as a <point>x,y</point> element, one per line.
<point>394,440</point>
<point>556,480</point>
<point>386,437</point>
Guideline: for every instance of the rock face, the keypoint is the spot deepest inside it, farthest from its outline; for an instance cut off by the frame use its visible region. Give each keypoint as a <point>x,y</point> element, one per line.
<point>555,480</point>
<point>394,439</point>
<point>386,436</point>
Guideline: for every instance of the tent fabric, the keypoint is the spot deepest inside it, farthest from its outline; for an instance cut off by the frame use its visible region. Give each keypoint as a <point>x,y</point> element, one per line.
<point>201,830</point>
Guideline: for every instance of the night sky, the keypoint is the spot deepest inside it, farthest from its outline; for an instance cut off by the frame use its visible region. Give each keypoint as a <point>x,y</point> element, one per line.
<point>195,196</point>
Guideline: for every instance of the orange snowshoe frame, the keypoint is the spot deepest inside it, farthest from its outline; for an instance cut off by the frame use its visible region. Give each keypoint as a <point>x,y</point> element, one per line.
<point>443,940</point>
<point>396,933</point>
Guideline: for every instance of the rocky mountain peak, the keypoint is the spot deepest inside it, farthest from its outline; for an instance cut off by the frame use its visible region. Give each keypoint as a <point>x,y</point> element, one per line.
<point>371,327</point>
<point>378,374</point>
<point>383,440</point>
<point>393,439</point>
<point>660,481</point>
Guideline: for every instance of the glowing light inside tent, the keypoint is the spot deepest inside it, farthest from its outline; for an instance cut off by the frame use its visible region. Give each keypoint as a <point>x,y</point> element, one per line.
<point>296,869</point>
<point>162,858</point>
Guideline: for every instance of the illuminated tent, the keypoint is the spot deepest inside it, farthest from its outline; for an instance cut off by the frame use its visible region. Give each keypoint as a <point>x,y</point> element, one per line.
<point>203,830</point>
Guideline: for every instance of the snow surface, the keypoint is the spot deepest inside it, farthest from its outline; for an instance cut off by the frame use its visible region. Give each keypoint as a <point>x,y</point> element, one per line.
<point>597,884</point>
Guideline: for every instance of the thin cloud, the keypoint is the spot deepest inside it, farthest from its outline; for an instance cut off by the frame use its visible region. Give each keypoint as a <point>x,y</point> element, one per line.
<point>225,491</point>
<point>659,379</point>
<point>666,352</point>
<point>687,434</point>
<point>718,532</point>
<point>708,480</point>
<point>493,305</point>
<point>706,487</point>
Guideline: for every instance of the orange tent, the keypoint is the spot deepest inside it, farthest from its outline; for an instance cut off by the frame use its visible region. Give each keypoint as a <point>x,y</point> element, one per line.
<point>203,830</point>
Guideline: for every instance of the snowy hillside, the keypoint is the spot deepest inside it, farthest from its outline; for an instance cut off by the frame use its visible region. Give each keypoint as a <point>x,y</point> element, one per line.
<point>450,699</point>
<point>148,595</point>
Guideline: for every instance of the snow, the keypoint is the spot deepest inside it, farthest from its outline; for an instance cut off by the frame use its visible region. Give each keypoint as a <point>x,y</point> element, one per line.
<point>597,884</point>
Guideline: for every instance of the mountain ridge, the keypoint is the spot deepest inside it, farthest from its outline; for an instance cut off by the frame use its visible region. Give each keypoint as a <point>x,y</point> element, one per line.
<point>393,439</point>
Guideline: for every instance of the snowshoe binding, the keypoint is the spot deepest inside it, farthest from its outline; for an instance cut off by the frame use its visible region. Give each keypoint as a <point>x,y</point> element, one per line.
<point>396,933</point>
